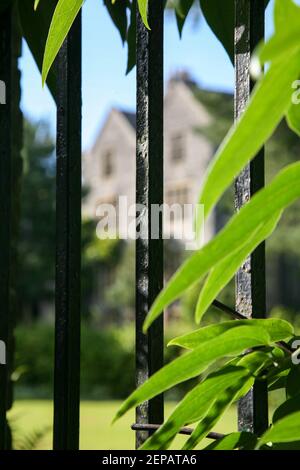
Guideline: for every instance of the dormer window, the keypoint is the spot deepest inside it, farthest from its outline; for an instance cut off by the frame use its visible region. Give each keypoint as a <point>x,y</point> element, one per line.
<point>177,147</point>
<point>108,163</point>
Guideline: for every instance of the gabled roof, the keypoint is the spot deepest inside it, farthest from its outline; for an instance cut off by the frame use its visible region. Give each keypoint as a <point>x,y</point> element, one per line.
<point>131,117</point>
<point>218,104</point>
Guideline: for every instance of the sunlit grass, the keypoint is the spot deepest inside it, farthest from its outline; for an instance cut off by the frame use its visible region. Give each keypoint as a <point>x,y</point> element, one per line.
<point>30,416</point>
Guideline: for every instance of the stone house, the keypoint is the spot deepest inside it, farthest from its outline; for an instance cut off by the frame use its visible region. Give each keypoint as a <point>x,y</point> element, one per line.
<point>109,166</point>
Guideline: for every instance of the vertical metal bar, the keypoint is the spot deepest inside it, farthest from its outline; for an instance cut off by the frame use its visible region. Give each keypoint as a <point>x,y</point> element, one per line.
<point>5,205</point>
<point>250,279</point>
<point>68,241</point>
<point>149,191</point>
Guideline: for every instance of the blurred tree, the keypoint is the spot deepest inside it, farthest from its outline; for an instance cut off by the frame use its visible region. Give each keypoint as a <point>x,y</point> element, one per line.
<point>37,231</point>
<point>100,261</point>
<point>36,275</point>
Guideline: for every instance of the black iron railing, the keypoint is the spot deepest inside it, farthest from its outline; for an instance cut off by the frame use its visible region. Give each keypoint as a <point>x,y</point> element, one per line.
<point>250,280</point>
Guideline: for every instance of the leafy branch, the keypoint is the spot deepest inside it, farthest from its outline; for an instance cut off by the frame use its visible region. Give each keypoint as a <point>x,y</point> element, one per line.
<point>270,102</point>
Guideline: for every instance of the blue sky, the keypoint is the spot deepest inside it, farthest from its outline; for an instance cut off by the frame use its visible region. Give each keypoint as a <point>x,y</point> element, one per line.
<point>104,63</point>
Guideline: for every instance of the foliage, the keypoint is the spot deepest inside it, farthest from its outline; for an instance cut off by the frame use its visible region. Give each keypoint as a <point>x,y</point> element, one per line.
<point>35,25</point>
<point>269,104</point>
<point>29,441</point>
<point>221,257</point>
<point>120,296</point>
<point>66,11</point>
<point>104,353</point>
<point>36,244</point>
<point>37,224</point>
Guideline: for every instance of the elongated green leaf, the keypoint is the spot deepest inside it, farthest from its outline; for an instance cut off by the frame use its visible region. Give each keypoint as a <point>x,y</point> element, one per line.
<point>277,383</point>
<point>284,430</point>
<point>217,409</point>
<point>36,4</point>
<point>277,329</point>
<point>288,407</point>
<point>35,26</point>
<point>220,17</point>
<point>182,8</point>
<point>63,18</point>
<point>285,40</point>
<point>195,405</point>
<point>223,272</point>
<point>268,104</point>
<point>131,39</point>
<point>293,381</point>
<point>293,117</point>
<point>236,440</point>
<point>276,377</point>
<point>143,9</point>
<point>280,193</point>
<point>118,13</point>
<point>284,13</point>
<point>191,364</point>
<point>254,363</point>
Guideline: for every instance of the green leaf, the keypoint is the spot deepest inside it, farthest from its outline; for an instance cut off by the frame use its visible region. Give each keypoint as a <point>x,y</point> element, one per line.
<point>220,17</point>
<point>280,193</point>
<point>288,407</point>
<point>279,45</point>
<point>131,39</point>
<point>194,405</point>
<point>293,381</point>
<point>284,40</point>
<point>64,16</point>
<point>268,104</point>
<point>217,409</point>
<point>284,430</point>
<point>118,13</point>
<point>277,383</point>
<point>276,328</point>
<point>285,11</point>
<point>35,26</point>
<point>277,375</point>
<point>36,4</point>
<point>293,117</point>
<point>182,8</point>
<point>223,272</point>
<point>143,9</point>
<point>236,440</point>
<point>254,363</point>
<point>193,363</point>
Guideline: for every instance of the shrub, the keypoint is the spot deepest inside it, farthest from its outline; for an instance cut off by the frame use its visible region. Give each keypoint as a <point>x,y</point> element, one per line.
<point>107,361</point>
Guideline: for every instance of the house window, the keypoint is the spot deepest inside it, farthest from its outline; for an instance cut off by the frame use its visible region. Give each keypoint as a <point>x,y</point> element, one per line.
<point>108,163</point>
<point>177,147</point>
<point>177,195</point>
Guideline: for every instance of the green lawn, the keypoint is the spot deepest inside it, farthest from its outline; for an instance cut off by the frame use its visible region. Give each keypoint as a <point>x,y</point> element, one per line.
<point>29,417</point>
